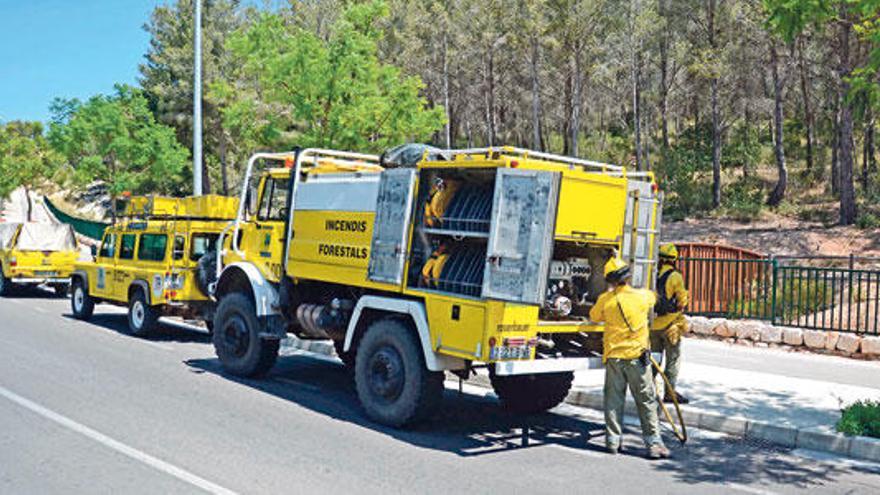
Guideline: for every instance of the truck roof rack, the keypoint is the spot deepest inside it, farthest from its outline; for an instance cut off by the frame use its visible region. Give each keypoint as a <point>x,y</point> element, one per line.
<point>587,165</point>
<point>207,207</point>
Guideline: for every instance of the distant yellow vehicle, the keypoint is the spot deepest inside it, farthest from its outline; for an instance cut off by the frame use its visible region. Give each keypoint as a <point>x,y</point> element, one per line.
<point>447,260</point>
<point>35,254</point>
<point>159,261</point>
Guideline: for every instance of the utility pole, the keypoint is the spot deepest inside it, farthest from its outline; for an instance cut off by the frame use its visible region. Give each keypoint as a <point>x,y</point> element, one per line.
<point>197,101</point>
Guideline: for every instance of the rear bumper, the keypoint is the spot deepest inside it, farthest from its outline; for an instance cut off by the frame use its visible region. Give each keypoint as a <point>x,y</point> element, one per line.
<point>40,280</point>
<point>554,365</point>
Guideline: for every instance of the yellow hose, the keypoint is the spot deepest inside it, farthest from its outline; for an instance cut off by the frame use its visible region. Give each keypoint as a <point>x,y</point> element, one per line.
<point>681,433</point>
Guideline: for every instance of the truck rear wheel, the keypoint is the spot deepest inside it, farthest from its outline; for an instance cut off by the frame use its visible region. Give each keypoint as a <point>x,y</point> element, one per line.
<point>5,284</point>
<point>237,341</point>
<point>142,318</point>
<point>81,303</point>
<point>393,384</point>
<point>531,393</point>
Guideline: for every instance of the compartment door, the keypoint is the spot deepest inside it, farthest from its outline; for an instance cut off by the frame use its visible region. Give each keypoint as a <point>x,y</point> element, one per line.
<point>521,235</point>
<point>391,225</point>
<point>640,243</point>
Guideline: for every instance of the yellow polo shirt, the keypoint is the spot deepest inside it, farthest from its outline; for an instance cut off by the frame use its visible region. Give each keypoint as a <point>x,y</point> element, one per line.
<point>619,341</point>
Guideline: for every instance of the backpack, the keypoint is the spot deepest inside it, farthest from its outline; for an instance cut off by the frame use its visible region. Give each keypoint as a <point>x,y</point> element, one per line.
<point>665,305</point>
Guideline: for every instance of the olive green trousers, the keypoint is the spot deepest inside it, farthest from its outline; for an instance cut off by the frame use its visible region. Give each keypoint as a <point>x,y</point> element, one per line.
<point>620,373</point>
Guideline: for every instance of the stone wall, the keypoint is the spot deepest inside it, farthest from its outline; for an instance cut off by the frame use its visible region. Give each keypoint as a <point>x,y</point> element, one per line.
<point>762,334</point>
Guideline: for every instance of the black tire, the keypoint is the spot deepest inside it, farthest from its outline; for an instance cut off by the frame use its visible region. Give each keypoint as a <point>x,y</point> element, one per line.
<point>209,324</point>
<point>531,393</point>
<point>61,290</point>
<point>236,338</point>
<point>142,318</point>
<point>81,303</point>
<point>393,384</point>
<point>206,271</point>
<point>346,357</point>
<point>5,284</point>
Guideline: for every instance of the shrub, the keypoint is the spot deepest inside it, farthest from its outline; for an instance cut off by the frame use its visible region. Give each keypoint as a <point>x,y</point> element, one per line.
<point>860,418</point>
<point>868,221</point>
<point>795,297</point>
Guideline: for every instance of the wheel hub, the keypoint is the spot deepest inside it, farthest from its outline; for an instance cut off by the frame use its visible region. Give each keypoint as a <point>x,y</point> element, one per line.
<point>387,375</point>
<point>235,336</point>
<point>137,314</point>
<point>78,298</point>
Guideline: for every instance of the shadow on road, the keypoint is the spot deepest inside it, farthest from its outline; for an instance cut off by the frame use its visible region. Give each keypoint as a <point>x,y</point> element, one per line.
<point>166,331</point>
<point>470,425</point>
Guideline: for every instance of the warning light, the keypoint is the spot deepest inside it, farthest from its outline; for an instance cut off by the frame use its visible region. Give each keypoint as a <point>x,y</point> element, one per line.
<point>288,162</point>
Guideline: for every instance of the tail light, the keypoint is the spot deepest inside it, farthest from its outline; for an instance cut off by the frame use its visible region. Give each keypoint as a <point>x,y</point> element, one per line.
<point>13,261</point>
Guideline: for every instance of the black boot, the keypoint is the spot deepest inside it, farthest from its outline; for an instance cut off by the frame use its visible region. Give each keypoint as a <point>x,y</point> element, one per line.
<point>678,397</point>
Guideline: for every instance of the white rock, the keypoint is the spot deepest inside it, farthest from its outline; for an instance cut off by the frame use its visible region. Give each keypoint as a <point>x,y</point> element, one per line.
<point>700,325</point>
<point>771,334</point>
<point>723,329</point>
<point>793,336</point>
<point>871,345</point>
<point>748,330</point>
<point>814,339</point>
<point>849,342</point>
<point>831,339</point>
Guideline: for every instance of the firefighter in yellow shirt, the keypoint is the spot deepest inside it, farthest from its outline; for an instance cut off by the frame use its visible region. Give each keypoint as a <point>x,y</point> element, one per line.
<point>669,324</point>
<point>625,311</point>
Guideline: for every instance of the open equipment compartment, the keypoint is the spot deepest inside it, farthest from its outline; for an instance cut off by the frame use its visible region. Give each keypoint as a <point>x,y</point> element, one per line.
<point>452,228</point>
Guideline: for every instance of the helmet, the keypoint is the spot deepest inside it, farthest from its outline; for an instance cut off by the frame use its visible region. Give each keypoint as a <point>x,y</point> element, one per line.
<point>669,251</point>
<point>616,269</point>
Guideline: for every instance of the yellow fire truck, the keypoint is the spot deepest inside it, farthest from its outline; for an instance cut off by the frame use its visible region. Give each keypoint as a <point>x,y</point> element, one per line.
<point>459,259</point>
<point>158,260</point>
<point>36,253</point>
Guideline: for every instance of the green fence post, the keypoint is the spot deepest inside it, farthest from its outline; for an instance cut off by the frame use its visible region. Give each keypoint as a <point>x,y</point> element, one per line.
<point>773,266</point>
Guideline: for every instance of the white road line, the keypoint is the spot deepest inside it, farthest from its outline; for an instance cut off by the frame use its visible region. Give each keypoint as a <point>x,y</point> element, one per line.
<point>40,310</point>
<point>116,445</point>
<point>749,489</point>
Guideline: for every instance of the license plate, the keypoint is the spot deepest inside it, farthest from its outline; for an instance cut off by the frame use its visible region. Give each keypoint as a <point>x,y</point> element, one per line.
<point>46,274</point>
<point>510,352</point>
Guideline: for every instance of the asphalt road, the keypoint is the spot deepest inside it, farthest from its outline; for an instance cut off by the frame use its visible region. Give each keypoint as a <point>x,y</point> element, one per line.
<point>87,409</point>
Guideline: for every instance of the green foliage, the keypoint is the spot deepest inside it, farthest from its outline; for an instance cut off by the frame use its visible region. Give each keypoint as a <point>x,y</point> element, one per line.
<point>745,198</point>
<point>794,298</point>
<point>684,173</point>
<point>116,139</point>
<point>860,418</point>
<point>324,92</point>
<point>868,220</point>
<point>26,159</point>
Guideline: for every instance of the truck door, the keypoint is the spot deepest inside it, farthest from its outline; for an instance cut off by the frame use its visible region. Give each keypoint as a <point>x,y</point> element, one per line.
<point>268,242</point>
<point>643,217</point>
<point>521,235</point>
<point>105,260</point>
<point>122,272</point>
<point>391,227</point>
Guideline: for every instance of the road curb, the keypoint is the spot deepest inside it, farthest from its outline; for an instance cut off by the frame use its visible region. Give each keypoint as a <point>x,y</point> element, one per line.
<point>814,438</point>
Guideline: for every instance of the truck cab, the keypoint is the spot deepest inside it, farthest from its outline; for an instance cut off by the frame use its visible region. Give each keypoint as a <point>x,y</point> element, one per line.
<point>458,260</point>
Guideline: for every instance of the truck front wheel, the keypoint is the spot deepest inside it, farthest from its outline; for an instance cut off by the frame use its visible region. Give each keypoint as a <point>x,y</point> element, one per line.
<point>531,393</point>
<point>237,341</point>
<point>5,284</point>
<point>393,384</point>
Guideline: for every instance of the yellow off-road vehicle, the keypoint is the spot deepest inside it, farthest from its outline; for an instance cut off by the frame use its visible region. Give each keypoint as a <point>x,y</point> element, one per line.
<point>158,260</point>
<point>450,261</point>
<point>35,254</point>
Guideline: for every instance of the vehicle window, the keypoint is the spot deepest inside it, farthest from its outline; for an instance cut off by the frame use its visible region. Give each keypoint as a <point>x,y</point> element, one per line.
<point>201,244</point>
<point>126,247</point>
<point>179,247</point>
<point>152,247</point>
<point>108,246</point>
<point>273,205</point>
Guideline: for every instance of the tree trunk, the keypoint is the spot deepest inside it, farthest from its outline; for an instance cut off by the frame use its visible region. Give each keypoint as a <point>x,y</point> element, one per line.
<point>716,119</point>
<point>636,100</point>
<point>446,86</point>
<point>30,207</point>
<point>664,76</point>
<point>224,166</point>
<point>490,97</point>
<point>847,187</point>
<point>575,101</point>
<point>867,150</point>
<point>778,193</point>
<point>808,110</point>
<point>536,96</point>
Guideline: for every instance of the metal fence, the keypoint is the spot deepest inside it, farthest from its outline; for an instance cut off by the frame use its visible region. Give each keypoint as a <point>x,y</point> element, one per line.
<point>815,297</point>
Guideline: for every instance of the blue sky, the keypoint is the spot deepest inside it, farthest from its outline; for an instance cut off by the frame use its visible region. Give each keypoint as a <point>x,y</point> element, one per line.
<point>67,48</point>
